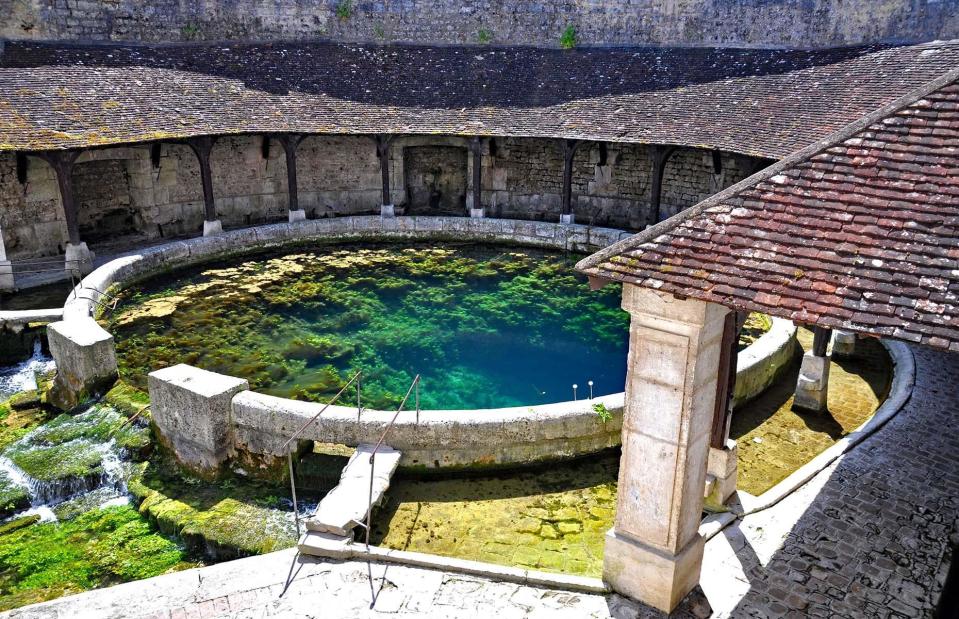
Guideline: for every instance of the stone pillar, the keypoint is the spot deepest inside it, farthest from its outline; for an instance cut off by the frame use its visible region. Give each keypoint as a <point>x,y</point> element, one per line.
<point>192,410</point>
<point>383,152</point>
<point>476,151</point>
<point>843,344</point>
<point>290,142</point>
<point>202,147</point>
<point>654,551</point>
<point>85,358</point>
<point>6,267</point>
<point>659,155</point>
<point>569,151</point>
<point>813,384</point>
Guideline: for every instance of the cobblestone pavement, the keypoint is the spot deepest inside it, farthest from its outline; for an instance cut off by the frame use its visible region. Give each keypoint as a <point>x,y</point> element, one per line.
<point>867,537</point>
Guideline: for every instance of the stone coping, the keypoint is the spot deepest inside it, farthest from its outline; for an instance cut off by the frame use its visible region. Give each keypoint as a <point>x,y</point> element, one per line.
<point>130,267</point>
<point>439,438</point>
<point>16,320</point>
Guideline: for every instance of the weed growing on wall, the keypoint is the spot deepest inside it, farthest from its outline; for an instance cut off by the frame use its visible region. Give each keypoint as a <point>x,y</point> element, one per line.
<point>567,40</point>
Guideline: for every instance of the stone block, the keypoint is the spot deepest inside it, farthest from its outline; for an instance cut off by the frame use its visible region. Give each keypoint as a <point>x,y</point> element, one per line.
<point>656,578</point>
<point>79,258</point>
<point>212,228</point>
<point>813,385</point>
<point>86,361</point>
<point>387,210</point>
<point>843,344</point>
<point>6,275</point>
<point>567,218</point>
<point>297,215</point>
<point>477,213</point>
<point>722,469</point>
<point>192,410</point>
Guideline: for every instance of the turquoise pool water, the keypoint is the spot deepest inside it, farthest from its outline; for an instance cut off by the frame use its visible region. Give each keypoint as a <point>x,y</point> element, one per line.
<point>484,326</point>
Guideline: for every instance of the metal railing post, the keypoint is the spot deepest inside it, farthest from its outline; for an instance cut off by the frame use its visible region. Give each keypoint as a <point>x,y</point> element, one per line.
<point>296,511</point>
<point>417,382</point>
<point>369,510</point>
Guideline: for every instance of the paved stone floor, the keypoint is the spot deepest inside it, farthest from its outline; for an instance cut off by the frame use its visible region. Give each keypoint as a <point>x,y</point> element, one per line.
<point>867,537</point>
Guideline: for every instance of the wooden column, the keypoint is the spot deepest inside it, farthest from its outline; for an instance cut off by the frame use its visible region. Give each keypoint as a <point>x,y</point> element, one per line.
<point>569,152</point>
<point>62,164</point>
<point>726,382</point>
<point>383,152</point>
<point>659,156</point>
<point>202,147</point>
<point>290,142</point>
<point>476,150</point>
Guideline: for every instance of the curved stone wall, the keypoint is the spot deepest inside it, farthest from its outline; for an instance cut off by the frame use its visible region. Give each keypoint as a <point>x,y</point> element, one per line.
<point>261,424</point>
<point>764,360</point>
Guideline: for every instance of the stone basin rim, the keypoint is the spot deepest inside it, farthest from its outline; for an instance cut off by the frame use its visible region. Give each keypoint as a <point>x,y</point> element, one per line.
<point>128,268</point>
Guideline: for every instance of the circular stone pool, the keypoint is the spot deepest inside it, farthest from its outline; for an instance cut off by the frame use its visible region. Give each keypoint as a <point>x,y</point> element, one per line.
<point>485,326</point>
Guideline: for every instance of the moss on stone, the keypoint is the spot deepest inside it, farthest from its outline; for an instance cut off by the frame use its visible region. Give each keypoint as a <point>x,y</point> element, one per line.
<point>222,521</point>
<point>98,548</point>
<point>13,497</point>
<point>127,399</point>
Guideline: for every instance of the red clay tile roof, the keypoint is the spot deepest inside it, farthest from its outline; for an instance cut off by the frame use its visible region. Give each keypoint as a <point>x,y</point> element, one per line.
<point>766,103</point>
<point>858,232</point>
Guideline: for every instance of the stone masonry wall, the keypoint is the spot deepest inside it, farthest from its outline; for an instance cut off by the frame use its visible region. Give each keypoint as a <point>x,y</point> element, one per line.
<point>765,23</point>
<point>122,197</point>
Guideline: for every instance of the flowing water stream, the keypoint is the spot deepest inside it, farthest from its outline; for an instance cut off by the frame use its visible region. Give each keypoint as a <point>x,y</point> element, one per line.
<point>23,375</point>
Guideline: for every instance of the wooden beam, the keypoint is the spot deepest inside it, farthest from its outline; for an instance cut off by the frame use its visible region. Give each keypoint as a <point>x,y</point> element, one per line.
<point>202,146</point>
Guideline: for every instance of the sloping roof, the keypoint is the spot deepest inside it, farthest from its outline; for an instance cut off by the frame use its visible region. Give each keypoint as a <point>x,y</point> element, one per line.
<point>859,232</point>
<point>765,103</point>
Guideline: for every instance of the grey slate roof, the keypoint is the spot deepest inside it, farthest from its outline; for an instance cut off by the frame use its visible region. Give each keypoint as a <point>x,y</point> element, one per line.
<point>765,103</point>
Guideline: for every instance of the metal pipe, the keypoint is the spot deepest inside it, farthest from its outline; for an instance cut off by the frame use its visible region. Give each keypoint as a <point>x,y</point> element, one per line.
<point>296,511</point>
<point>369,509</point>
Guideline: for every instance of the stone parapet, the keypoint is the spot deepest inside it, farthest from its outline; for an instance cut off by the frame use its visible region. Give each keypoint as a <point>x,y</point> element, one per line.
<point>85,358</point>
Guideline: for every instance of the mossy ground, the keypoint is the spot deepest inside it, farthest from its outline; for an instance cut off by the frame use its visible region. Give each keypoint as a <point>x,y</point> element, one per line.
<point>101,547</point>
<point>775,440</point>
<point>225,520</point>
<point>551,519</point>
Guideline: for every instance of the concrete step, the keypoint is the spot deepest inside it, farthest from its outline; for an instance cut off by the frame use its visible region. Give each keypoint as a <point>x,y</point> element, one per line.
<point>347,504</point>
<point>327,545</point>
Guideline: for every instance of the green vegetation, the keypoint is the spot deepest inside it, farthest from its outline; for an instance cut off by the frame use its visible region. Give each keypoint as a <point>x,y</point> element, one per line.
<point>220,521</point>
<point>190,31</point>
<point>484,35</point>
<point>602,412</point>
<point>101,547</point>
<point>567,40</point>
<point>344,9</point>
<point>379,32</point>
<point>486,327</point>
<point>13,497</point>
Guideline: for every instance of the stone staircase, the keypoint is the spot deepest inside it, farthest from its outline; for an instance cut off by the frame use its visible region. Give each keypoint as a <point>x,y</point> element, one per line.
<point>330,530</point>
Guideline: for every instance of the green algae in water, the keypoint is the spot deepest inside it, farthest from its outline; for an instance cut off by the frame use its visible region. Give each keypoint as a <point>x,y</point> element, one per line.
<point>484,326</point>
<point>98,548</point>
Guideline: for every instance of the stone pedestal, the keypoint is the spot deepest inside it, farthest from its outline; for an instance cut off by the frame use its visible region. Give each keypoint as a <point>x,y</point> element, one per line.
<point>79,258</point>
<point>722,469</point>
<point>6,267</point>
<point>387,210</point>
<point>477,213</point>
<point>192,412</point>
<point>567,218</point>
<point>212,228</point>
<point>297,215</point>
<point>843,344</point>
<point>86,361</point>
<point>654,551</point>
<point>813,384</point>
<point>6,276</point>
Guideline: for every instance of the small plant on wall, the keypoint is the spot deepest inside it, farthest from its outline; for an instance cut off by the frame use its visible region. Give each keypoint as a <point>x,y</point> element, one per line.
<point>190,31</point>
<point>484,35</point>
<point>568,39</point>
<point>602,412</point>
<point>344,9</point>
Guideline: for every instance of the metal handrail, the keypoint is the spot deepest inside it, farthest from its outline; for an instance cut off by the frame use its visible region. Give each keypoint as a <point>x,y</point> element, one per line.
<point>379,443</point>
<point>289,453</point>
